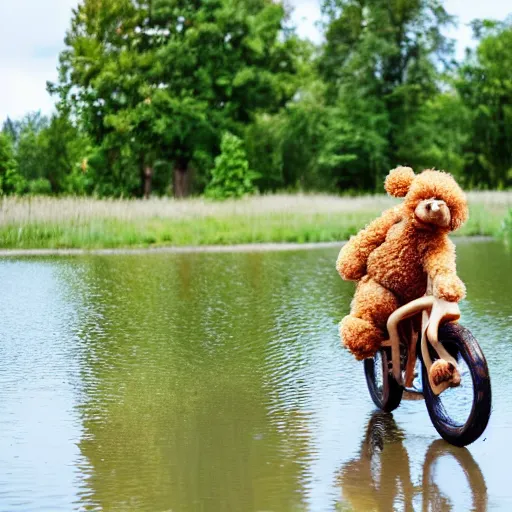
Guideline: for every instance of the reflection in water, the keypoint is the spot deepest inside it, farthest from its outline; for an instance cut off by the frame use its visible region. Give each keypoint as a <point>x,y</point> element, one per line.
<point>380,477</point>
<point>182,409</point>
<point>217,383</point>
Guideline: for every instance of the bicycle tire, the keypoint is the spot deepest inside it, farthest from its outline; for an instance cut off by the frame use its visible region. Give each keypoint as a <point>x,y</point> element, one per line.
<point>460,342</point>
<point>389,397</point>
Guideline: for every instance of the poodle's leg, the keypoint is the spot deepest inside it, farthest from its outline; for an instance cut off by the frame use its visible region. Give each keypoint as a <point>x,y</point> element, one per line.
<point>364,329</point>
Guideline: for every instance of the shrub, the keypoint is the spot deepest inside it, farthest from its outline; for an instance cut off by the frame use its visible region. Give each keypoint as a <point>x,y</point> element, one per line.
<point>231,176</point>
<point>79,181</point>
<point>40,186</point>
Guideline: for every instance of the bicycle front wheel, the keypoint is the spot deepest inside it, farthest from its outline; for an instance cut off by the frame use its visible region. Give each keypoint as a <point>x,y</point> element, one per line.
<point>460,414</point>
<point>385,391</point>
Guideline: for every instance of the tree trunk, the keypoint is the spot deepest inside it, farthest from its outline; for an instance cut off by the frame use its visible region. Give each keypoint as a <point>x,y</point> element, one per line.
<point>148,179</point>
<point>181,178</point>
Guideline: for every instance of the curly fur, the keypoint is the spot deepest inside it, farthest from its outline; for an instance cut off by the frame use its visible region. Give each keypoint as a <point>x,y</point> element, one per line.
<point>437,184</point>
<point>392,257</point>
<point>398,181</point>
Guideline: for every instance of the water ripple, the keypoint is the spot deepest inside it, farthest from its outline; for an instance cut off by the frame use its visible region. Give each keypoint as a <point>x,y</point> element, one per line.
<point>217,382</point>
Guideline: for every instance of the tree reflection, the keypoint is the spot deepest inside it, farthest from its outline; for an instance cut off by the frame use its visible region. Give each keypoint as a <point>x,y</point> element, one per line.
<point>180,410</point>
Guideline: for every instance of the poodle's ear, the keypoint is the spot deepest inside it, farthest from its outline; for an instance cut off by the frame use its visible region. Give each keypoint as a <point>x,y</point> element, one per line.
<point>398,181</point>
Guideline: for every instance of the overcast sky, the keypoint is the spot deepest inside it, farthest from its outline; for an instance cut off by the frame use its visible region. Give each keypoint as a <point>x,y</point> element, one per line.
<point>32,33</point>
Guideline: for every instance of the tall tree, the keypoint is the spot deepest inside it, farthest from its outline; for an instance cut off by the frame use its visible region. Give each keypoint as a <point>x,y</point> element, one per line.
<point>383,56</point>
<point>10,180</point>
<point>485,86</point>
<point>11,129</point>
<point>29,152</point>
<point>162,79</point>
<point>64,151</point>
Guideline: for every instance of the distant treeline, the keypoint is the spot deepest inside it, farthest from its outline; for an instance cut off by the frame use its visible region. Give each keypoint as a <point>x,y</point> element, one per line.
<point>180,97</point>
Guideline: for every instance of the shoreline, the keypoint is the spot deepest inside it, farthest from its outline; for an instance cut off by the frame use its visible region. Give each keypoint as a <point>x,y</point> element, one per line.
<point>195,249</point>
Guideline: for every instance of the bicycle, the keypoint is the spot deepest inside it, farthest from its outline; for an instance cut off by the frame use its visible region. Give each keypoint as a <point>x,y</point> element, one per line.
<point>450,359</point>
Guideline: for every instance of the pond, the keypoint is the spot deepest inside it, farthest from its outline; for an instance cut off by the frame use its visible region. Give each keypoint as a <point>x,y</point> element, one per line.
<point>216,382</point>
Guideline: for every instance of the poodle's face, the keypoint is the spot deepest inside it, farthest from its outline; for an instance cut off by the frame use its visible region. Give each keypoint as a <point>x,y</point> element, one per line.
<point>437,201</point>
<point>433,199</point>
<point>433,213</point>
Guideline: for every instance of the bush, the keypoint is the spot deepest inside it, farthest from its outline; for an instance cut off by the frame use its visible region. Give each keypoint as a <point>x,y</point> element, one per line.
<point>231,176</point>
<point>13,183</point>
<point>40,187</point>
<point>79,181</point>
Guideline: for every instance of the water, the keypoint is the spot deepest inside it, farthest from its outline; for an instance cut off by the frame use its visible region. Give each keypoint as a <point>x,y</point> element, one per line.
<point>216,382</point>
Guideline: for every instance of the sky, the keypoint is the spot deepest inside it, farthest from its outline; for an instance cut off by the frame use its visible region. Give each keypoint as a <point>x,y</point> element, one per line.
<point>29,60</point>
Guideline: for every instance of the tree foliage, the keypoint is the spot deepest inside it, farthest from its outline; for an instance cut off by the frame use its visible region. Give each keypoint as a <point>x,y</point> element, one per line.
<point>162,79</point>
<point>48,153</point>
<point>231,176</point>
<point>484,83</point>
<point>147,88</point>
<point>11,182</point>
<point>381,62</point>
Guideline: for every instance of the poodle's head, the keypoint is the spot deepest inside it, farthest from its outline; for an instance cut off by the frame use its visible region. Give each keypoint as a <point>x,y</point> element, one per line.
<point>433,199</point>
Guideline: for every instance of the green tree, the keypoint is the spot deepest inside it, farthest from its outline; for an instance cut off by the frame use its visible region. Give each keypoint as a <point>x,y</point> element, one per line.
<point>484,83</point>
<point>161,80</point>
<point>283,147</point>
<point>29,152</point>
<point>440,134</point>
<point>314,145</point>
<point>355,153</point>
<point>381,63</point>
<point>231,176</point>
<point>64,152</point>
<point>49,153</point>
<point>11,129</point>
<point>11,182</point>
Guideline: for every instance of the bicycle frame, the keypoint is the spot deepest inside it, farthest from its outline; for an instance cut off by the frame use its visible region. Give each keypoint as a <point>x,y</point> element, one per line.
<point>434,311</point>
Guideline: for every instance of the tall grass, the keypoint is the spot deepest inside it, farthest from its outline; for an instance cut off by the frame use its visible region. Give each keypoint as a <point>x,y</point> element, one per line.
<point>45,222</point>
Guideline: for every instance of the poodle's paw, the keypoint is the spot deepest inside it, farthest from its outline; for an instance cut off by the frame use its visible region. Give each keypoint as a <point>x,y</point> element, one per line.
<point>444,371</point>
<point>449,287</point>
<point>361,337</point>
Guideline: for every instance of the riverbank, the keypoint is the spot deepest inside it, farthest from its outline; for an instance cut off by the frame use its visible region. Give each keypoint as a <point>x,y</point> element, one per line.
<point>92,224</point>
<point>193,249</point>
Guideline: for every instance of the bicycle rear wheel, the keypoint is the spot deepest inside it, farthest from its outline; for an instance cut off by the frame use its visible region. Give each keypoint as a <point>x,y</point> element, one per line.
<point>460,414</point>
<point>385,391</point>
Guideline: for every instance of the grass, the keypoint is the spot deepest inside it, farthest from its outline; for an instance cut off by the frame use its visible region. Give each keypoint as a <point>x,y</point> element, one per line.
<point>28,223</point>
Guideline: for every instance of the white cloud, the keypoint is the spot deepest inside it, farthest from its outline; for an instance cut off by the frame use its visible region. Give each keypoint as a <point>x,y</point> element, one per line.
<point>469,10</point>
<point>306,14</point>
<point>31,37</point>
<point>25,87</point>
<point>32,34</point>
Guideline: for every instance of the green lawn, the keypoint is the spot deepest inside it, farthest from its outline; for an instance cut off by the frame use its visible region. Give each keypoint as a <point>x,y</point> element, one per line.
<point>90,223</point>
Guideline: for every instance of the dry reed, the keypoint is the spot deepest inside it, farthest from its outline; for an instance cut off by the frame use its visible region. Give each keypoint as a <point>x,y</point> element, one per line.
<point>27,210</point>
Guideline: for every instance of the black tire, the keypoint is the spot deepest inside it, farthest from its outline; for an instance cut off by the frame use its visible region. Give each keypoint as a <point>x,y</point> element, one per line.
<point>388,394</point>
<point>461,344</point>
